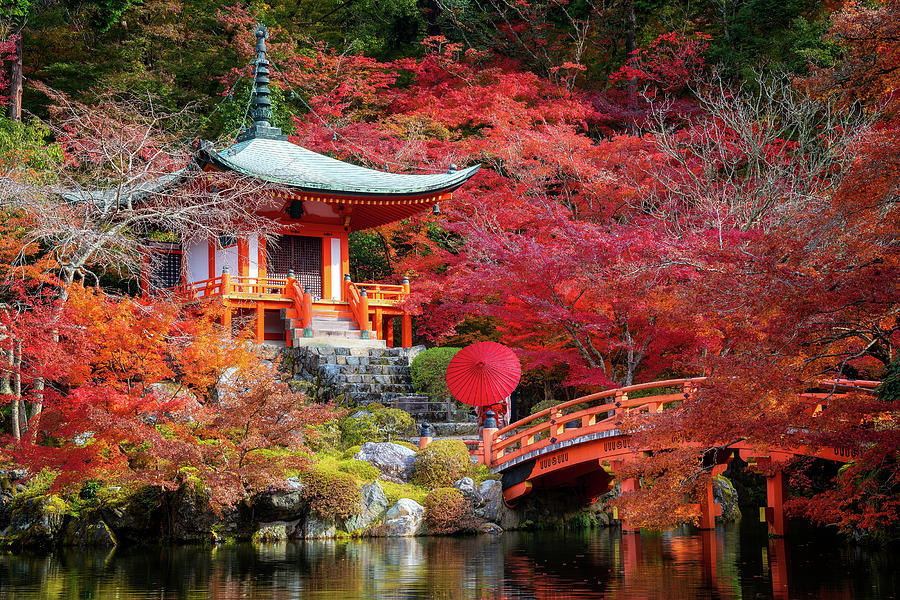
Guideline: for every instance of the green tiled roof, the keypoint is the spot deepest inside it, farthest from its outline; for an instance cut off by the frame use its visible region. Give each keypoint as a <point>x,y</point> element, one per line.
<point>279,161</point>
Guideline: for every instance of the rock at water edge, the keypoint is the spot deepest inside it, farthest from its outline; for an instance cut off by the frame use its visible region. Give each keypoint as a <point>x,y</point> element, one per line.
<point>278,531</point>
<point>406,518</point>
<point>373,503</point>
<point>395,462</point>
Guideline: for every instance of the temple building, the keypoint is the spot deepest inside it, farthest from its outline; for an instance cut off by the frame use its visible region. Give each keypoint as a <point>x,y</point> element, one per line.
<point>298,285</point>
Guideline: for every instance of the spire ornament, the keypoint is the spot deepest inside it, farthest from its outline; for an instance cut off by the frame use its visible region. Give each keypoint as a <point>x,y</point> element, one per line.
<point>261,102</point>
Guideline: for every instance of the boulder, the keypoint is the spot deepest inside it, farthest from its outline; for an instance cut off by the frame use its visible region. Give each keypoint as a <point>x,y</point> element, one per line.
<point>490,528</point>
<point>281,503</point>
<point>406,518</point>
<point>395,462</point>
<point>37,523</point>
<point>491,494</point>
<point>373,505</point>
<point>278,531</point>
<point>725,494</point>
<point>193,516</point>
<point>89,534</point>
<point>470,491</point>
<point>315,528</point>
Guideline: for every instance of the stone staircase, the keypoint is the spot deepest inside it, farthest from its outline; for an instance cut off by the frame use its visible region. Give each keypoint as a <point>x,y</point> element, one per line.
<point>352,373</point>
<point>329,320</point>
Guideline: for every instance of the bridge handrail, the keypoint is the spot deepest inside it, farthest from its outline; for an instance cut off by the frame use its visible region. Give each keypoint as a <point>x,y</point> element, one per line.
<point>596,396</point>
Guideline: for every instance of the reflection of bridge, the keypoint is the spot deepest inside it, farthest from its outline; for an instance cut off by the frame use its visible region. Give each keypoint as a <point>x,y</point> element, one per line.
<point>578,445</point>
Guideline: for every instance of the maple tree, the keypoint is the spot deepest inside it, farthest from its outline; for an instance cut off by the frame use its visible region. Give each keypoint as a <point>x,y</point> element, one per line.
<point>140,391</point>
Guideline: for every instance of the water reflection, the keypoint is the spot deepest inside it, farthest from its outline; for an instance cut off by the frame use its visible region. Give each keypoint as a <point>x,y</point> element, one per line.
<point>726,564</point>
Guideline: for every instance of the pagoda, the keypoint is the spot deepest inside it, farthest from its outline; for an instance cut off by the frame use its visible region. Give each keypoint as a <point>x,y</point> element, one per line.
<point>298,285</point>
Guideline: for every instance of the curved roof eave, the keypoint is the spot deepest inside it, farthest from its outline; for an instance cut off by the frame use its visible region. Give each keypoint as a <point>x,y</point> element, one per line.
<point>283,163</point>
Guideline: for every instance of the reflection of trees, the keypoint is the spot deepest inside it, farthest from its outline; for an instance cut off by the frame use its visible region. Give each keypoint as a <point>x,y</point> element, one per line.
<point>603,563</point>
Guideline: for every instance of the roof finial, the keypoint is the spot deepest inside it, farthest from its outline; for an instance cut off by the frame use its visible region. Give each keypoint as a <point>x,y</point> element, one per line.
<point>260,101</point>
<point>262,106</point>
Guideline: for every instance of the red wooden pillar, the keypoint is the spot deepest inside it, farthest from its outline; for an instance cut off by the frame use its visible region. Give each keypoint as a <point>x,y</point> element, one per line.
<point>379,332</point>
<point>389,332</point>
<point>775,493</point>
<point>709,510</point>
<point>629,485</point>
<point>406,330</point>
<point>260,323</point>
<point>226,318</point>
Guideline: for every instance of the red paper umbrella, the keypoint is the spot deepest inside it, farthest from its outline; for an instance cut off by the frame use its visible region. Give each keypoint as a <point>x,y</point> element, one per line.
<point>484,373</point>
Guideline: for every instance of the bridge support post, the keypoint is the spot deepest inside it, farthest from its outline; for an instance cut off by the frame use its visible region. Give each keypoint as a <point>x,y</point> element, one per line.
<point>775,500</point>
<point>709,510</point>
<point>629,485</point>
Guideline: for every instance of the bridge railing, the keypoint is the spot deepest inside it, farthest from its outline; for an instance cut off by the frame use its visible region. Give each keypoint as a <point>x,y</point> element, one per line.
<point>593,413</point>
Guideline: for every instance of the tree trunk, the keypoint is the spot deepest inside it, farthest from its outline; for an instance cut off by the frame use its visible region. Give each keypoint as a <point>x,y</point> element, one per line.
<point>19,401</point>
<point>37,406</point>
<point>630,34</point>
<point>16,80</point>
<point>15,401</point>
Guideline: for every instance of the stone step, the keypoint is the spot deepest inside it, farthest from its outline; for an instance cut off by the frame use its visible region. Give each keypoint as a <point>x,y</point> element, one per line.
<point>323,323</point>
<point>329,332</point>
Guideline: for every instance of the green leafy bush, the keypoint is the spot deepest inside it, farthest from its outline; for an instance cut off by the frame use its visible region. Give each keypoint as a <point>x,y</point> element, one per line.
<point>441,463</point>
<point>331,494</point>
<point>376,425</point>
<point>429,372</point>
<point>448,511</point>
<point>889,390</point>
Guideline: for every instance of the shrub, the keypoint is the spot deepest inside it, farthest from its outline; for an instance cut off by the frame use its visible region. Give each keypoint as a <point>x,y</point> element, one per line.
<point>331,494</point>
<point>441,463</point>
<point>448,511</point>
<point>360,469</point>
<point>429,371</point>
<point>376,425</point>
<point>396,491</point>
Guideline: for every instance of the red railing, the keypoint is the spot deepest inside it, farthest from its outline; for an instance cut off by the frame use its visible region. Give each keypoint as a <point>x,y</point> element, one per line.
<point>302,302</point>
<point>258,285</point>
<point>581,416</point>
<point>602,412</point>
<point>368,302</point>
<point>382,292</point>
<point>359,305</point>
<point>198,290</point>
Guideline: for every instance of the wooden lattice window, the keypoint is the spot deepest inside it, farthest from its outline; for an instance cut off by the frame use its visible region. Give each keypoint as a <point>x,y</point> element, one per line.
<point>301,254</point>
<point>165,270</point>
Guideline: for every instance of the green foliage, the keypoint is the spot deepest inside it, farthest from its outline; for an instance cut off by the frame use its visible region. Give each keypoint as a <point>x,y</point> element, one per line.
<point>481,473</point>
<point>233,115</point>
<point>351,451</point>
<point>889,390</point>
<point>772,34</point>
<point>324,437</point>
<point>25,152</point>
<point>369,259</point>
<point>361,471</point>
<point>332,495</point>
<point>448,511</point>
<point>441,463</point>
<point>429,371</point>
<point>376,425</point>
<point>396,491</point>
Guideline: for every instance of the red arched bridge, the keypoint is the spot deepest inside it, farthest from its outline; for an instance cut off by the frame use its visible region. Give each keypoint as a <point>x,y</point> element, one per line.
<point>577,444</point>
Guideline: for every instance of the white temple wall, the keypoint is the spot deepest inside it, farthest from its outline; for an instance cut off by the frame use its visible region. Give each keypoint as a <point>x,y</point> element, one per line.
<point>197,255</point>
<point>335,282</point>
<point>253,252</point>
<point>226,256</point>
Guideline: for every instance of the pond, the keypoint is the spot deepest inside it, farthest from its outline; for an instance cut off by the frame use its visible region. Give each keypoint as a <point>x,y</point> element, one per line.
<point>732,562</point>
